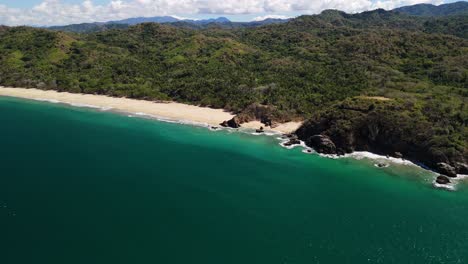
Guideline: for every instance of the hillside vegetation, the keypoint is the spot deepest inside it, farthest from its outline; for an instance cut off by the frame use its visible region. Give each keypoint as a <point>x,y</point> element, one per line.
<point>305,68</point>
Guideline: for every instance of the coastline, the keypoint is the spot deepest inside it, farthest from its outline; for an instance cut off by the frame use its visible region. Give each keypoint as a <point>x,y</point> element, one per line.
<point>164,110</point>
<point>183,113</point>
<point>387,161</point>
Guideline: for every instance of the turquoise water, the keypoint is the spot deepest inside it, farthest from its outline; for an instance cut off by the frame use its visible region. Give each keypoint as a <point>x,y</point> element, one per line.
<point>84,186</point>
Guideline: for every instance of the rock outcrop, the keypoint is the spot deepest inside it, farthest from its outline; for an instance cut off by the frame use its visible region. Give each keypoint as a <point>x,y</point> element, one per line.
<point>384,128</point>
<point>442,179</point>
<point>224,124</point>
<point>321,144</point>
<point>382,165</point>
<point>270,116</point>
<point>461,168</point>
<point>232,123</point>
<point>293,140</point>
<point>446,169</point>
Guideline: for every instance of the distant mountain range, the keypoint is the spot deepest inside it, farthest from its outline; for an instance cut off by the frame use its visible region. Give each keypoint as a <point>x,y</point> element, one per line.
<point>168,19</point>
<point>187,23</point>
<point>457,8</point>
<point>426,10</point>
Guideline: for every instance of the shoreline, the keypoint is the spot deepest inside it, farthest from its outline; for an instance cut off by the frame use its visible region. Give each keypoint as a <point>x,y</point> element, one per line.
<point>377,159</point>
<point>160,110</point>
<point>194,115</point>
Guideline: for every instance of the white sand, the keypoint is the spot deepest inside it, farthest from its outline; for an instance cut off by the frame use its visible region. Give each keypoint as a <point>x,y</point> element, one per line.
<point>169,110</point>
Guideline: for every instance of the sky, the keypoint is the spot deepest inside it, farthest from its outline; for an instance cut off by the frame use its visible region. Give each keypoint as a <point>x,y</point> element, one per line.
<point>63,12</point>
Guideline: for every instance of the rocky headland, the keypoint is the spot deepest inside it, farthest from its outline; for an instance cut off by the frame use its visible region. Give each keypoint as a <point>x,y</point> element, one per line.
<point>386,127</point>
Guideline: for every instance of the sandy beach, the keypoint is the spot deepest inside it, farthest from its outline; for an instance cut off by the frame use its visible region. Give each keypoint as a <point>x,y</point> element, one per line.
<point>167,110</point>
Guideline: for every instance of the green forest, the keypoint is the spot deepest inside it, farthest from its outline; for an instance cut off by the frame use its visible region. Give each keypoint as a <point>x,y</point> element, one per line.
<point>412,70</point>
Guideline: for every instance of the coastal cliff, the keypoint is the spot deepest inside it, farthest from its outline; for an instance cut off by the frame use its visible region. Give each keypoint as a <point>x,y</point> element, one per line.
<point>427,134</point>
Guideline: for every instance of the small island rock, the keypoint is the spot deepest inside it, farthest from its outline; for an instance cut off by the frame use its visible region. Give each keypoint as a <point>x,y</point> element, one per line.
<point>442,179</point>
<point>293,140</point>
<point>382,165</point>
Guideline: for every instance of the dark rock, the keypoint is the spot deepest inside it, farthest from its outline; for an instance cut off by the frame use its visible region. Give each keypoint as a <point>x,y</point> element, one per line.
<point>381,165</point>
<point>292,141</point>
<point>446,169</point>
<point>309,151</point>
<point>224,124</point>
<point>295,141</point>
<point>322,144</point>
<point>398,155</point>
<point>266,120</point>
<point>461,168</point>
<point>214,128</point>
<point>340,152</point>
<point>234,123</point>
<point>286,136</point>
<point>442,179</point>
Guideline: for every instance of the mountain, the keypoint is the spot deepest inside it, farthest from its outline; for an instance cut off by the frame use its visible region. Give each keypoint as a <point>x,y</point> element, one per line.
<point>167,19</point>
<point>220,22</point>
<point>423,10</point>
<point>226,24</point>
<point>435,11</point>
<point>125,23</point>
<point>88,27</point>
<point>268,21</point>
<point>379,81</point>
<point>139,20</point>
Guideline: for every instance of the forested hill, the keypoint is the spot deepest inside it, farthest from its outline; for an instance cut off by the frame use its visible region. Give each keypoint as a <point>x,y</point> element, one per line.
<point>310,65</point>
<point>457,8</point>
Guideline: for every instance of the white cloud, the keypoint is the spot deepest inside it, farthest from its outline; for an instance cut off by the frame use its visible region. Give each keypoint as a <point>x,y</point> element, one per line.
<point>261,18</point>
<point>56,12</point>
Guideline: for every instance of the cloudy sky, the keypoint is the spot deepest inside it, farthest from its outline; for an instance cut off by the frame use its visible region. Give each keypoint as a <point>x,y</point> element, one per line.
<point>60,12</point>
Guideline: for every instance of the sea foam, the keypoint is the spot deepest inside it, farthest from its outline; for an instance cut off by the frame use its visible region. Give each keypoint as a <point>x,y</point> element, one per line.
<point>48,100</point>
<point>73,104</point>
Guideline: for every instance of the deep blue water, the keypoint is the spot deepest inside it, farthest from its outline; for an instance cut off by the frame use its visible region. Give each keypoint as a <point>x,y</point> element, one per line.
<point>84,186</point>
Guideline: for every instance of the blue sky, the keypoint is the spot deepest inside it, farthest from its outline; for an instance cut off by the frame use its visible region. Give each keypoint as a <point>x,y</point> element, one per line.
<point>60,12</point>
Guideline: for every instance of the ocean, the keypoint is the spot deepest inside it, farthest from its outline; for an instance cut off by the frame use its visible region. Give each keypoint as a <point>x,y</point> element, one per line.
<point>81,185</point>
